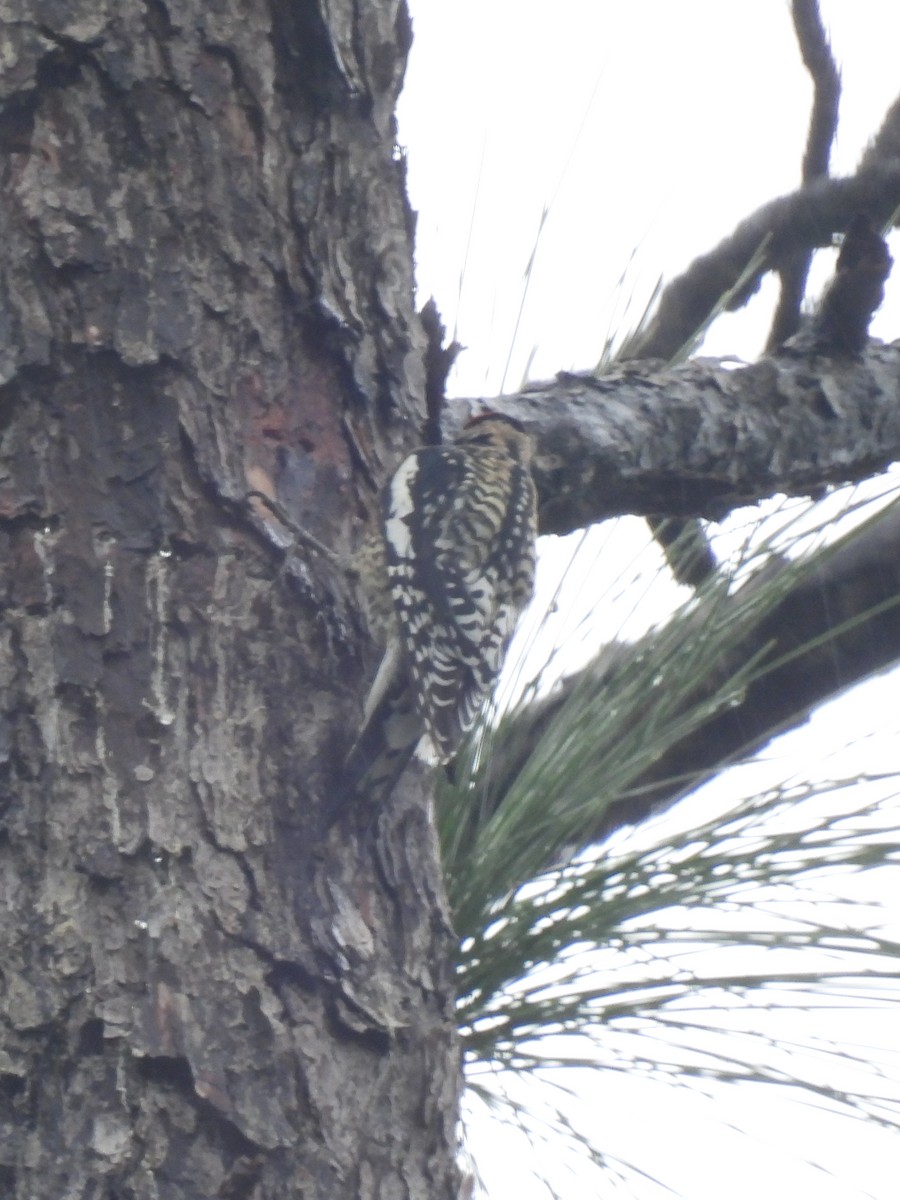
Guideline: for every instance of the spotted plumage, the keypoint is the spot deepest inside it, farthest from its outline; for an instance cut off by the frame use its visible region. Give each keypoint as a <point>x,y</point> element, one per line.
<point>449,575</point>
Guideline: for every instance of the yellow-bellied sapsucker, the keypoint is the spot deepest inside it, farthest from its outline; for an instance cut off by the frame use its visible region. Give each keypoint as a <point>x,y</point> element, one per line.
<point>445,580</point>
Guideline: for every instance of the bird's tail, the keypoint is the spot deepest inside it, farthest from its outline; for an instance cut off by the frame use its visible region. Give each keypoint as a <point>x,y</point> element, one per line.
<point>385,745</point>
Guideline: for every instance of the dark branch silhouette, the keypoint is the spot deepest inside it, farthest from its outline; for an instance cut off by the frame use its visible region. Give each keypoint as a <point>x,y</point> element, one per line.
<point>823,122</point>
<point>841,325</point>
<point>807,218</point>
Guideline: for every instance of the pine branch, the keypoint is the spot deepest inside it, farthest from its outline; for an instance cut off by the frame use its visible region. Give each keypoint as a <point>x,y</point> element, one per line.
<point>701,440</point>
<point>833,627</point>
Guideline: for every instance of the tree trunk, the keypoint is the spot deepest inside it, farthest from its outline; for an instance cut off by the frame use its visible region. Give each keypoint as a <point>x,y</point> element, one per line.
<point>214,980</point>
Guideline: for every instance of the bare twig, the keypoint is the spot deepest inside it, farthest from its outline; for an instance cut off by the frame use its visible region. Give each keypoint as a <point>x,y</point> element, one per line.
<point>819,61</point>
<point>841,325</point>
<point>807,218</point>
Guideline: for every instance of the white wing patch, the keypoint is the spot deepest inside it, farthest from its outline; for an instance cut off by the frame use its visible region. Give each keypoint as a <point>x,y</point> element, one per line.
<point>400,508</point>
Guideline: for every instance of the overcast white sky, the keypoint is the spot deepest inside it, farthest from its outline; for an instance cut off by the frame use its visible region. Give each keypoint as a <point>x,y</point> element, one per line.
<point>649,128</point>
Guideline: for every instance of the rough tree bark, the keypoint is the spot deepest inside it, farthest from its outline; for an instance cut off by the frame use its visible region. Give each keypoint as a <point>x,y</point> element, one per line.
<point>702,440</point>
<point>215,981</point>
<point>205,988</point>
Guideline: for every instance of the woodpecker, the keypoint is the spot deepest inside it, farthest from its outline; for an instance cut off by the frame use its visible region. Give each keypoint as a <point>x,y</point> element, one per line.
<point>445,580</point>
